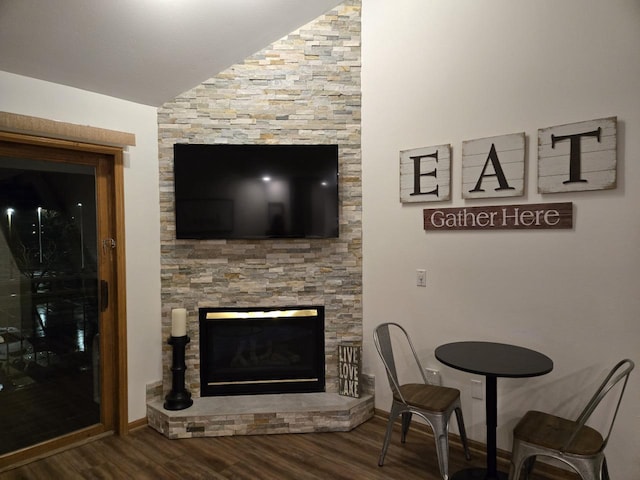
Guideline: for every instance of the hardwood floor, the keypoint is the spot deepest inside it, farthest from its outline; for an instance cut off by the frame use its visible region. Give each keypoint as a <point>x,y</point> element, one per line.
<point>146,454</point>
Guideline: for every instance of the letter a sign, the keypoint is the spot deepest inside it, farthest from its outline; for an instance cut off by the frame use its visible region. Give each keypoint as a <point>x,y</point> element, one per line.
<point>493,167</point>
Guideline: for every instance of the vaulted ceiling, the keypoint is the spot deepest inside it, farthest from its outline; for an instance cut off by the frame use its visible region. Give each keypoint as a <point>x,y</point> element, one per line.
<point>145,51</point>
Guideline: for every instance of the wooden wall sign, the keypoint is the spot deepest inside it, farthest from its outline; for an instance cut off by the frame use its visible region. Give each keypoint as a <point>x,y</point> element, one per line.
<point>578,156</point>
<point>500,217</point>
<point>571,158</point>
<point>425,174</point>
<point>493,167</point>
<point>349,357</point>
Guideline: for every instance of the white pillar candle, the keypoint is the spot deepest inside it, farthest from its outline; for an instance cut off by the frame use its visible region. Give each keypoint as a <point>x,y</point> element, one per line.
<point>178,322</point>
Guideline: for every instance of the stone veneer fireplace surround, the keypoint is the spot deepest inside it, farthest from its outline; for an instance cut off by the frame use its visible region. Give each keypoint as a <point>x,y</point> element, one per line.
<point>304,88</point>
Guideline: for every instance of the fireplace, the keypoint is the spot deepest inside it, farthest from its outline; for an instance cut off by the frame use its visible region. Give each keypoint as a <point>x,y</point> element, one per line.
<point>247,351</point>
<point>276,352</point>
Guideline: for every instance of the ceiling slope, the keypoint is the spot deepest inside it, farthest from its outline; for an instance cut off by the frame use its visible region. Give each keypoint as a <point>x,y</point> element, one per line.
<point>144,51</point>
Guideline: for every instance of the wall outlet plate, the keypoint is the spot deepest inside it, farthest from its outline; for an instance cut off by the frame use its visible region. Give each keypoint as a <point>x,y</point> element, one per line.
<point>433,376</point>
<point>477,391</point>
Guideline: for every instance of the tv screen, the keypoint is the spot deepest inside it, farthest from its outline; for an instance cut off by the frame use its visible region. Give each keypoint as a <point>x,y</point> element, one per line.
<point>255,191</point>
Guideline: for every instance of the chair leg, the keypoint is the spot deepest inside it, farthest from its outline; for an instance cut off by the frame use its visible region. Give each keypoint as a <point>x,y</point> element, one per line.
<point>514,474</point>
<point>591,469</point>
<point>440,431</point>
<point>463,433</point>
<point>517,462</point>
<point>395,411</point>
<point>605,469</point>
<point>528,466</point>
<point>406,422</point>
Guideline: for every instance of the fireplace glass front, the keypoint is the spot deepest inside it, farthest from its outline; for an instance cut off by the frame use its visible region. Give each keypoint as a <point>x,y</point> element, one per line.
<point>259,350</point>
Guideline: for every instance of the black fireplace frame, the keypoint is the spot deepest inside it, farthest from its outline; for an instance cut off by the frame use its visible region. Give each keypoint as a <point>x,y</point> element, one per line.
<point>310,378</point>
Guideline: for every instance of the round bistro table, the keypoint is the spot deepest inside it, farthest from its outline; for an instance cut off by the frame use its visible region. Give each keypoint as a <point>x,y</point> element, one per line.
<point>492,360</point>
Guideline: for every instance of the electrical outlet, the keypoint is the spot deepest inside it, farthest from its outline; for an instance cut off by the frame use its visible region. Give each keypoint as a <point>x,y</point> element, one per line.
<point>477,391</point>
<point>433,376</point>
<point>421,277</point>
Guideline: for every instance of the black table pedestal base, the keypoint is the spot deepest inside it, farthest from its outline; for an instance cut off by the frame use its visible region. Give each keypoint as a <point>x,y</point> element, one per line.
<point>477,474</point>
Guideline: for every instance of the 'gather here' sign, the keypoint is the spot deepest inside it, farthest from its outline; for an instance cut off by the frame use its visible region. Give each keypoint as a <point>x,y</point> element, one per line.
<point>500,217</point>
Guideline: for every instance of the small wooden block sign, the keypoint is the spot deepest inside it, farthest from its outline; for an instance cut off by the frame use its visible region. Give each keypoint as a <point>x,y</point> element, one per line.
<point>349,362</point>
<point>578,156</point>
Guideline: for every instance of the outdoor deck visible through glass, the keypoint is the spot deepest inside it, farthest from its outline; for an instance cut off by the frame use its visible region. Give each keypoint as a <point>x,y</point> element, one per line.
<point>49,329</point>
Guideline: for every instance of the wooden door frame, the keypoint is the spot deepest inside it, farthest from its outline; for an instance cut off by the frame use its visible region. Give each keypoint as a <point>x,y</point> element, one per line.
<point>117,295</point>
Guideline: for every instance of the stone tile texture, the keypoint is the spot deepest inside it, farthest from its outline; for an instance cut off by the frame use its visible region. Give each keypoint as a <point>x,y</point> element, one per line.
<point>261,415</point>
<point>304,88</point>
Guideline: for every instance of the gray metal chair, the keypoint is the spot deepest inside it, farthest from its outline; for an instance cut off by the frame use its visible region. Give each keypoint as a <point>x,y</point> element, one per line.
<point>570,441</point>
<point>433,403</point>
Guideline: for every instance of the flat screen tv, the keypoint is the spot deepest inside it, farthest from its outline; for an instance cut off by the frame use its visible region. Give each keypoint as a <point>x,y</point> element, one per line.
<point>227,191</point>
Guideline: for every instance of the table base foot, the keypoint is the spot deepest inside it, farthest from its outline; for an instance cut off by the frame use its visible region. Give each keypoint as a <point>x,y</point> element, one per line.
<point>477,474</point>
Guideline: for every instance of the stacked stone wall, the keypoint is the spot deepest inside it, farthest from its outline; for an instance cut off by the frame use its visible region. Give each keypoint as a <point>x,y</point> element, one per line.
<point>302,89</point>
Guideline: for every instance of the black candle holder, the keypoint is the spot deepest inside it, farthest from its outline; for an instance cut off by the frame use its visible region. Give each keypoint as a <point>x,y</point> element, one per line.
<point>179,397</point>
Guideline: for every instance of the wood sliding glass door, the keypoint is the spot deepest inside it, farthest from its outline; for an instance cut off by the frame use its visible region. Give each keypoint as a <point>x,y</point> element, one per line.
<point>59,295</point>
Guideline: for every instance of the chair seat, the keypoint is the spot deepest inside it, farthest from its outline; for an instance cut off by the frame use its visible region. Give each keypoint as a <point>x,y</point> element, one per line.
<point>431,398</point>
<point>553,432</point>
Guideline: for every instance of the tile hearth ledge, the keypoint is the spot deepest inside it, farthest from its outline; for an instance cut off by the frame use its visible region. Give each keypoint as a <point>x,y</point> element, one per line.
<point>261,414</point>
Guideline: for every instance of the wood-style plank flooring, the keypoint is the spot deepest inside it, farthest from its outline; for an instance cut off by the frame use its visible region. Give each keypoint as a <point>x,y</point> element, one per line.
<point>146,454</point>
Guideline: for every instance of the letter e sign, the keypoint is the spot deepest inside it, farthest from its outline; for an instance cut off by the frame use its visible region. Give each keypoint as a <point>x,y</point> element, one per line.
<point>578,156</point>
<point>425,174</point>
<point>493,167</point>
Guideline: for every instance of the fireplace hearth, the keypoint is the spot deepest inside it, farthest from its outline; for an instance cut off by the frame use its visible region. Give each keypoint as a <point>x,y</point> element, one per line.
<point>288,342</point>
<point>246,351</point>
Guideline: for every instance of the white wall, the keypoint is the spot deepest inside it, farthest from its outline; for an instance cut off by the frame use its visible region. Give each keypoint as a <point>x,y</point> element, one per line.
<point>438,72</point>
<point>36,98</point>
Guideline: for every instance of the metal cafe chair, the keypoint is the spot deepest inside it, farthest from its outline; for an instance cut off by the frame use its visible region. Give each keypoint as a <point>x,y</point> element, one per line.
<point>571,441</point>
<point>433,403</point>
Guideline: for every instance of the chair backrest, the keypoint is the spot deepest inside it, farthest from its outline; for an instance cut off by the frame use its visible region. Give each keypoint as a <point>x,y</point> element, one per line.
<point>619,373</point>
<point>382,339</point>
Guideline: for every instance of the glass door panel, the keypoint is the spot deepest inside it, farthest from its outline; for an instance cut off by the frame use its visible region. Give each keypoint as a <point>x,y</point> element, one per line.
<point>49,312</point>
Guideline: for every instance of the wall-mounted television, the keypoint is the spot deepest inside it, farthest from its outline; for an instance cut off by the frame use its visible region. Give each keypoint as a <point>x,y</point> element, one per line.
<point>225,191</point>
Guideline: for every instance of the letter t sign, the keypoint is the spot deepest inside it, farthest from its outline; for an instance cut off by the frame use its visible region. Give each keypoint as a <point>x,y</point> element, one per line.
<point>425,174</point>
<point>578,156</point>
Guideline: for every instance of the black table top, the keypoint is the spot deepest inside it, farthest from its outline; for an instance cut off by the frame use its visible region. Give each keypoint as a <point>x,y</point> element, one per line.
<point>494,359</point>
